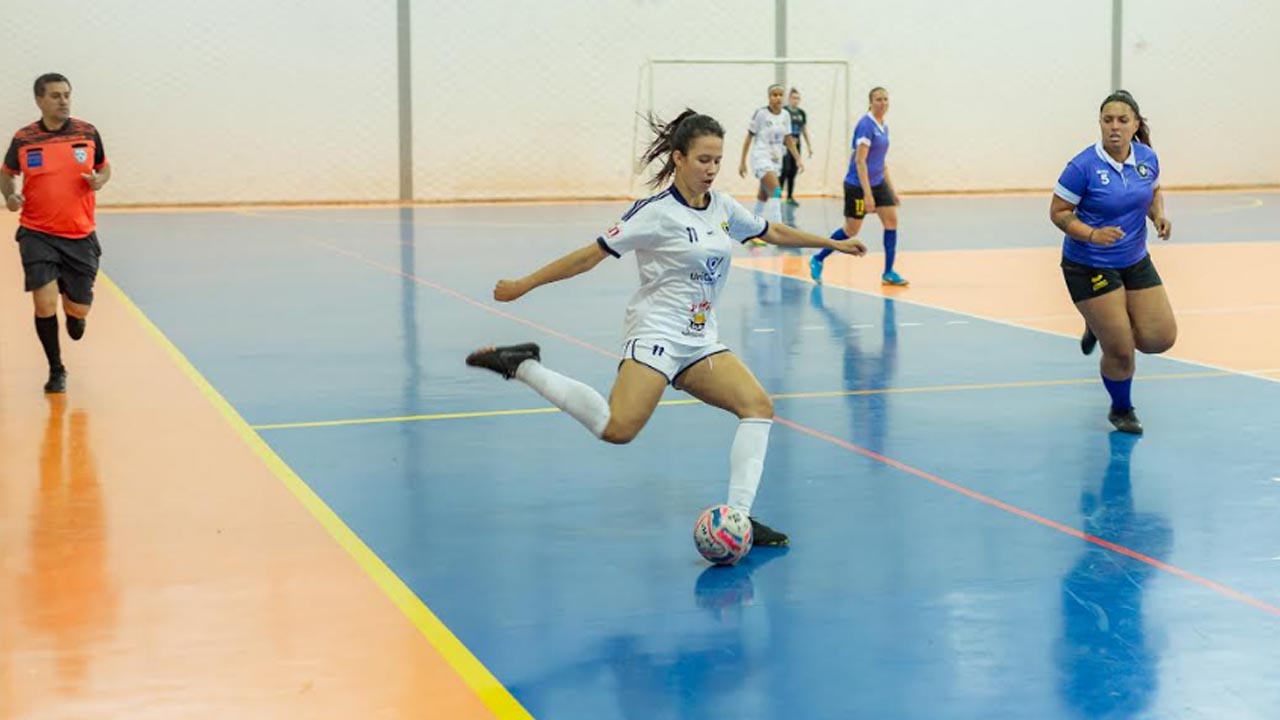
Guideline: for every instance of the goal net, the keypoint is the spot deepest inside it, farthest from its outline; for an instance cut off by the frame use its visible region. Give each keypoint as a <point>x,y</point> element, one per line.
<point>730,90</point>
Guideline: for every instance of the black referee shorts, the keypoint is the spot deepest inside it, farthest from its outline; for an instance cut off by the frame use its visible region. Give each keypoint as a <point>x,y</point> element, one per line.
<point>73,262</point>
<point>1084,281</point>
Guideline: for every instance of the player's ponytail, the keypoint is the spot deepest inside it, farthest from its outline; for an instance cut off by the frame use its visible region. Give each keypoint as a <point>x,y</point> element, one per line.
<point>1144,130</point>
<point>678,134</point>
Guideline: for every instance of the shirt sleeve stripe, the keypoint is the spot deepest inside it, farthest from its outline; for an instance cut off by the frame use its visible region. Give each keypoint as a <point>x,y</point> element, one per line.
<point>762,233</point>
<point>1066,194</point>
<point>605,246</point>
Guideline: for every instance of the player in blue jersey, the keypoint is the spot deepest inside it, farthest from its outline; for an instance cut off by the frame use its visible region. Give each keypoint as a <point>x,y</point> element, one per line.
<point>683,240</point>
<point>868,188</point>
<point>1102,202</point>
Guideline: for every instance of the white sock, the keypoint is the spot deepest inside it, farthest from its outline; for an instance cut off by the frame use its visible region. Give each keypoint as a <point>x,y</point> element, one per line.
<point>746,461</point>
<point>773,210</point>
<point>579,400</point>
<point>759,209</point>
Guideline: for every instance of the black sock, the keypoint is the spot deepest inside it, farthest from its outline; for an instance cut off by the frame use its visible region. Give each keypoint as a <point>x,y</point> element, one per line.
<point>75,327</point>
<point>47,329</point>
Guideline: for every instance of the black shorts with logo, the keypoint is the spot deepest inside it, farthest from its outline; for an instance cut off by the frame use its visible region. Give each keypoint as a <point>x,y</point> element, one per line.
<point>855,206</point>
<point>72,262</point>
<point>1084,281</point>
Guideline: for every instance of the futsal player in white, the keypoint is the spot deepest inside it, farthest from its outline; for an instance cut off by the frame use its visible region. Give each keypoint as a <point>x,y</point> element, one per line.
<point>682,239</point>
<point>768,138</point>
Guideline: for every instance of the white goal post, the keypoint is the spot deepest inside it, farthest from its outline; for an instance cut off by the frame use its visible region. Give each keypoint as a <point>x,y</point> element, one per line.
<point>730,92</point>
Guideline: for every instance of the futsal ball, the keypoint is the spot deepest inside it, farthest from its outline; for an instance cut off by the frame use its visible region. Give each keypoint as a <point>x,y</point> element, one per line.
<point>722,534</point>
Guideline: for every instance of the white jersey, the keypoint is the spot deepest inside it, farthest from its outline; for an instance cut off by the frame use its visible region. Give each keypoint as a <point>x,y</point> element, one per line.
<point>769,133</point>
<point>683,255</point>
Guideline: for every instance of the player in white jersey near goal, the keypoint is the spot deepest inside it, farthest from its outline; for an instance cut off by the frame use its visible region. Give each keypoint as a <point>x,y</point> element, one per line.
<point>768,139</point>
<point>682,239</point>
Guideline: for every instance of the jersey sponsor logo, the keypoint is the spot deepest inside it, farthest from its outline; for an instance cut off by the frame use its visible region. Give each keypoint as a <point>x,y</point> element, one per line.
<point>81,152</point>
<point>692,233</point>
<point>708,276</point>
<point>698,317</point>
<point>1098,281</point>
<point>35,158</point>
<point>613,231</point>
<point>1104,177</point>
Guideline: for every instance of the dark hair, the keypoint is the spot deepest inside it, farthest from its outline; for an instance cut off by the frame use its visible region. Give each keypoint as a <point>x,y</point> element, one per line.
<point>1123,96</point>
<point>794,91</point>
<point>47,78</point>
<point>678,134</point>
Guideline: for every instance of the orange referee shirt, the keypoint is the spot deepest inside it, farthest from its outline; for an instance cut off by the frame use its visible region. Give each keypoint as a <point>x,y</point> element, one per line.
<point>58,201</point>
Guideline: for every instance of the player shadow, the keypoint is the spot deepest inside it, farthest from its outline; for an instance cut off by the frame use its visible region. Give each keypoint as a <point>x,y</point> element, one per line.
<point>67,592</point>
<point>695,667</point>
<point>1106,659</point>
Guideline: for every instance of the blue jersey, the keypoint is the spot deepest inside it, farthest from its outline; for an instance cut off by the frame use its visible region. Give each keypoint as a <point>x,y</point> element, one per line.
<point>876,136</point>
<point>1106,193</point>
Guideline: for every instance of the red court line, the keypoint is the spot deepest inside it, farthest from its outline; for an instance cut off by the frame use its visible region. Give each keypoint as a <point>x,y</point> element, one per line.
<point>1028,515</point>
<point>1204,582</point>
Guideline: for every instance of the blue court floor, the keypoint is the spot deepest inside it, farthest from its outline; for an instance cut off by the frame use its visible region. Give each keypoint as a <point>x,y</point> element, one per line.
<point>969,541</point>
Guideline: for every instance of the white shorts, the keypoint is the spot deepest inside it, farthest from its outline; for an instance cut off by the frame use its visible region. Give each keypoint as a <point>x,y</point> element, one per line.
<point>762,166</point>
<point>668,358</point>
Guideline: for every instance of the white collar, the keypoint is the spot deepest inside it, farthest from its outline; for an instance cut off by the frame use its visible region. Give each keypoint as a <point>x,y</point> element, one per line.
<point>877,123</point>
<point>1132,160</point>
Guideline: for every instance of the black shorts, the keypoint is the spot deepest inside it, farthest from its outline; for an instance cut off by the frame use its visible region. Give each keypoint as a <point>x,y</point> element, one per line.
<point>72,262</point>
<point>788,166</point>
<point>855,208</point>
<point>1084,281</point>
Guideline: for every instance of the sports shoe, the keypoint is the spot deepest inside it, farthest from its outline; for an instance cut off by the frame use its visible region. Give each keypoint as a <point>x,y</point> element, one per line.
<point>815,269</point>
<point>792,202</point>
<point>504,360</point>
<point>1088,341</point>
<point>764,536</point>
<point>57,380</point>
<point>1126,421</point>
<point>893,278</point>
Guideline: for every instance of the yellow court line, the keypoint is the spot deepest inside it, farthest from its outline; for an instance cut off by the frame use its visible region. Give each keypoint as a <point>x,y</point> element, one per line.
<point>779,396</point>
<point>482,682</point>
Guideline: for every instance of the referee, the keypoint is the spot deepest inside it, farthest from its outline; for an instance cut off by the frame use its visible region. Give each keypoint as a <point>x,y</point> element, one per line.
<point>63,165</point>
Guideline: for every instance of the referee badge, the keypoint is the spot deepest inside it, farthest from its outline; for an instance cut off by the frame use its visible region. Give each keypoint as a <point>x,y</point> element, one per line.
<point>82,154</point>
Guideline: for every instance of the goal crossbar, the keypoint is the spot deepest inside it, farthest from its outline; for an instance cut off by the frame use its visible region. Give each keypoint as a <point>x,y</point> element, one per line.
<point>645,105</point>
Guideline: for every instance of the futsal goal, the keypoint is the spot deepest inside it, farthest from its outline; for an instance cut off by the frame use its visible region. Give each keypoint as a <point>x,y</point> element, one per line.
<point>730,90</point>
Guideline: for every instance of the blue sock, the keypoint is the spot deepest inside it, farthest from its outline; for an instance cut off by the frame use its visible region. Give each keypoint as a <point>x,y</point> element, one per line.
<point>837,235</point>
<point>1119,390</point>
<point>890,249</point>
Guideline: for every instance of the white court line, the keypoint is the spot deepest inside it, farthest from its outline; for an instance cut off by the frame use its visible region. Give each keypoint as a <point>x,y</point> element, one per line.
<point>1006,323</point>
